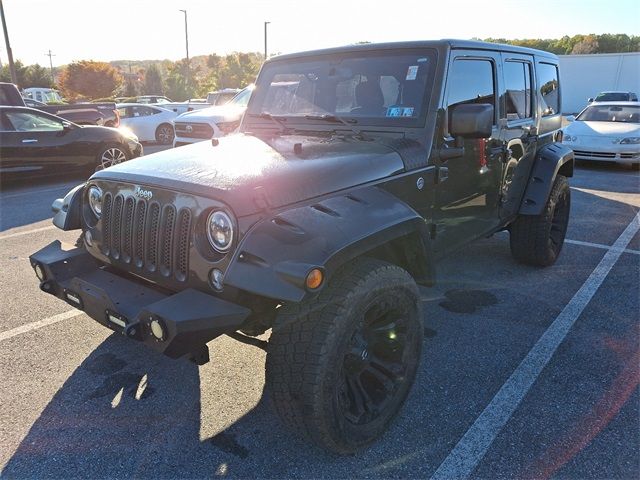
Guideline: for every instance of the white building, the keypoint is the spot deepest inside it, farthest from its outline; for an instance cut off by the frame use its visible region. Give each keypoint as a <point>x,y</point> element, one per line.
<point>583,76</point>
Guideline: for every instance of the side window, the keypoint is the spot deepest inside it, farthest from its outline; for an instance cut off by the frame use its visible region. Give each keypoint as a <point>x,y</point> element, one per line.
<point>123,112</point>
<point>517,79</point>
<point>141,111</point>
<point>471,81</point>
<point>30,122</point>
<point>549,88</point>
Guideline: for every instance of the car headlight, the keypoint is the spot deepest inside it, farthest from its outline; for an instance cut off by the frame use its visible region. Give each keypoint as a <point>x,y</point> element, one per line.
<point>228,127</point>
<point>220,230</point>
<point>630,141</point>
<point>94,197</point>
<point>569,138</point>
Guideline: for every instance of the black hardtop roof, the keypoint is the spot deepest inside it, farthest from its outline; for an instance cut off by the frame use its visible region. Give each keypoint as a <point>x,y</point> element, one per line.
<point>444,43</point>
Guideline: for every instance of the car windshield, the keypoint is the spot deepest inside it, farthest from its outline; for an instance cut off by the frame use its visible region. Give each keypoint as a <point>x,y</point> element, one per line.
<point>389,88</point>
<point>612,97</point>
<point>611,113</point>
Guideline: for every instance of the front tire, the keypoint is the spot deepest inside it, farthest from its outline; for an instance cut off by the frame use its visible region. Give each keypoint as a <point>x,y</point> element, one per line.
<point>537,239</point>
<point>111,155</point>
<point>164,134</point>
<point>340,366</point>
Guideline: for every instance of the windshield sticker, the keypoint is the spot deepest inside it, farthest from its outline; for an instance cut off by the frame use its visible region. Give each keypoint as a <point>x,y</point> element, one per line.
<point>400,111</point>
<point>412,72</point>
<point>421,60</point>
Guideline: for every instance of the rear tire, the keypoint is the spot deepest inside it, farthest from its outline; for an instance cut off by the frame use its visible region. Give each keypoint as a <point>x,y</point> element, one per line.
<point>537,239</point>
<point>339,366</point>
<point>164,134</point>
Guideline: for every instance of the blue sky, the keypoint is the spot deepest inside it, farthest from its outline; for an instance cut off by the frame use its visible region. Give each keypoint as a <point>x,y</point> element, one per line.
<point>154,29</point>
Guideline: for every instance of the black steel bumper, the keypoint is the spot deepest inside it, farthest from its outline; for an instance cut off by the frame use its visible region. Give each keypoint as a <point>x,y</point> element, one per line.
<point>174,324</point>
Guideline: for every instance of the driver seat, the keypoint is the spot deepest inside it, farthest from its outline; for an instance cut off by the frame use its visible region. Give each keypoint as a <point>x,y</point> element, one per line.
<point>369,98</point>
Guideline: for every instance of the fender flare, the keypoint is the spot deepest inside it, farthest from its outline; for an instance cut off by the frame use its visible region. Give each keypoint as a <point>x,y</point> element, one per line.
<point>68,210</point>
<point>275,255</point>
<point>550,160</point>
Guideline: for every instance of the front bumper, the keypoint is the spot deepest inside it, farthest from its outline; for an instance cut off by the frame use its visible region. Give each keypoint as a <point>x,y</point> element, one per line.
<point>175,324</point>
<point>605,153</point>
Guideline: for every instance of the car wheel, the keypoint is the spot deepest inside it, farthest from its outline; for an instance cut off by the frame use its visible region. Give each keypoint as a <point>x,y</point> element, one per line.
<point>164,134</point>
<point>537,239</point>
<point>340,365</point>
<point>111,155</point>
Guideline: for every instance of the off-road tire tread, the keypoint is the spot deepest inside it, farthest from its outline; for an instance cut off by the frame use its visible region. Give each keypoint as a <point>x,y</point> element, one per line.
<point>529,234</point>
<point>298,348</point>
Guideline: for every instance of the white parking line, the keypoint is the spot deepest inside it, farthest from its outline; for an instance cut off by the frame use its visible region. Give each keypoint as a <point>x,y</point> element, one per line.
<point>600,245</point>
<point>39,324</point>
<point>473,446</point>
<point>26,232</point>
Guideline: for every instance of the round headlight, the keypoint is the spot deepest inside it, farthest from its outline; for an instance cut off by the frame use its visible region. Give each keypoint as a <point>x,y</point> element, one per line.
<point>220,231</point>
<point>94,196</point>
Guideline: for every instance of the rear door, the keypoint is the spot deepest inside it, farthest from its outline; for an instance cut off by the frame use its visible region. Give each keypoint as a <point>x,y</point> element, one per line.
<point>467,195</point>
<point>519,133</point>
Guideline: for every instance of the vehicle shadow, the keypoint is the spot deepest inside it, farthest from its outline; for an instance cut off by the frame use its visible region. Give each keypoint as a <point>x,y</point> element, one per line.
<point>27,202</point>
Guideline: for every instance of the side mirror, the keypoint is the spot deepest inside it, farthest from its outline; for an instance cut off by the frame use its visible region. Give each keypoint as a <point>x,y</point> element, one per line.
<point>471,120</point>
<point>571,118</point>
<point>589,100</point>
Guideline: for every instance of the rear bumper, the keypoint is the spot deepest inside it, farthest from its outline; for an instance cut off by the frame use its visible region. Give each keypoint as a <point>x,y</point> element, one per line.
<point>175,324</point>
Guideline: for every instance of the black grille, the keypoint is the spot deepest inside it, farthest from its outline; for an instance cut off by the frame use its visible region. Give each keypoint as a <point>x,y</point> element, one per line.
<point>193,130</point>
<point>582,153</point>
<point>153,237</point>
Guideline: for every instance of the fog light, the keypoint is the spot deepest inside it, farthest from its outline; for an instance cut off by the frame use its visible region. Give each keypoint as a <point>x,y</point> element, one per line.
<point>73,298</point>
<point>88,238</point>
<point>39,272</point>
<point>314,279</point>
<point>157,329</point>
<point>216,278</point>
<point>116,319</point>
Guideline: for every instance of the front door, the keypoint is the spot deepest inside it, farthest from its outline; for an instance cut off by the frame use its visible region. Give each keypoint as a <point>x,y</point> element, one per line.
<point>468,189</point>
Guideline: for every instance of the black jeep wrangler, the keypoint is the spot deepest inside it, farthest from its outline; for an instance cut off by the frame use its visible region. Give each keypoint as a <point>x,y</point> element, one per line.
<point>353,171</point>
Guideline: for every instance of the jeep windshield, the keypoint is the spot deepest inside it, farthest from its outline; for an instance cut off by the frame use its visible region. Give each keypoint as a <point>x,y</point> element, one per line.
<point>388,88</point>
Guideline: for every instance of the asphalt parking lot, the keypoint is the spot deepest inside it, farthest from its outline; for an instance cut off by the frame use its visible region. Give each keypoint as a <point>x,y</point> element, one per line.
<point>526,372</point>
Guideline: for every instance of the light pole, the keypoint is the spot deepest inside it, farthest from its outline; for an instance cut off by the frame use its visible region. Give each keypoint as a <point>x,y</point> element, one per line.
<point>186,41</point>
<point>265,39</point>
<point>12,68</point>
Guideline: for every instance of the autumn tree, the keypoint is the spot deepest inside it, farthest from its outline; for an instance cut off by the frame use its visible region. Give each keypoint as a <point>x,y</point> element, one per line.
<point>153,81</point>
<point>90,79</point>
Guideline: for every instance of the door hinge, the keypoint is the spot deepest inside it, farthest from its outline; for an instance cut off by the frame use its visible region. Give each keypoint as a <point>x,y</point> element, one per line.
<point>432,231</point>
<point>442,173</point>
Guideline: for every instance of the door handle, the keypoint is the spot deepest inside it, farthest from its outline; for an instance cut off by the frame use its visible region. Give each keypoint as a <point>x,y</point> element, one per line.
<point>30,140</point>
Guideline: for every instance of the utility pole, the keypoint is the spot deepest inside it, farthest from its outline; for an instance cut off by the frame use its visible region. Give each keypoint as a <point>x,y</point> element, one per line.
<point>265,39</point>
<point>53,79</point>
<point>186,41</point>
<point>12,67</point>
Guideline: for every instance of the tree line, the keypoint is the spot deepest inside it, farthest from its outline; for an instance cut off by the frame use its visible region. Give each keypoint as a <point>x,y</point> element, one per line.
<point>182,80</point>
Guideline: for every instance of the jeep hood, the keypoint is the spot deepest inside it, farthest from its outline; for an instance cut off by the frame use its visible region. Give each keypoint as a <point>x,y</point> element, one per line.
<point>249,174</point>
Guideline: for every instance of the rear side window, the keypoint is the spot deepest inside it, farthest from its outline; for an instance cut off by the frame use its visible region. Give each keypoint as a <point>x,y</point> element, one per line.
<point>517,78</point>
<point>549,88</point>
<point>471,81</point>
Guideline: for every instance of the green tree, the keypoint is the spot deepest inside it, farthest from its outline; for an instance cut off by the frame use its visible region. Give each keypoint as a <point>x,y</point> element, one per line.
<point>153,81</point>
<point>89,79</point>
<point>37,76</point>
<point>21,73</point>
<point>182,80</point>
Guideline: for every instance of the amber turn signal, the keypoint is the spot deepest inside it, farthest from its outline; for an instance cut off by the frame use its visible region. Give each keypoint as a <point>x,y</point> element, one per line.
<point>314,279</point>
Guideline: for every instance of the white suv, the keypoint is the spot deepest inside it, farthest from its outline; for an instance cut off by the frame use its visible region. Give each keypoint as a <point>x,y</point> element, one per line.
<point>211,122</point>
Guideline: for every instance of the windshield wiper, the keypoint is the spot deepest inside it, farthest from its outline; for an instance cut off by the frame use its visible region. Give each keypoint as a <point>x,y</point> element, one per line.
<point>279,120</point>
<point>336,119</point>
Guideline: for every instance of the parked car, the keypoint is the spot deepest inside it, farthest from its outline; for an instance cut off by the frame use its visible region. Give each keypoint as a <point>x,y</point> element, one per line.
<point>150,123</point>
<point>211,122</point>
<point>44,95</point>
<point>145,99</point>
<point>220,97</point>
<point>35,143</point>
<point>183,107</point>
<point>354,170</point>
<point>607,132</point>
<point>615,97</point>
<point>104,114</point>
